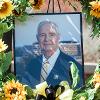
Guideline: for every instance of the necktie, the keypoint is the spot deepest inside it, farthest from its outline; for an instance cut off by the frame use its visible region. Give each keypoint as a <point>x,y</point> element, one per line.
<point>44,70</point>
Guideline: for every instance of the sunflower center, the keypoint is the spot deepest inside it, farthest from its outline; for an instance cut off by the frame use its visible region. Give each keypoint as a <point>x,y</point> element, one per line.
<point>13,91</point>
<point>4,7</point>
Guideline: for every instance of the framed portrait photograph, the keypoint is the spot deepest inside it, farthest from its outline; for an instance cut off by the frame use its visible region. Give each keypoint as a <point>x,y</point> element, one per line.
<point>44,46</point>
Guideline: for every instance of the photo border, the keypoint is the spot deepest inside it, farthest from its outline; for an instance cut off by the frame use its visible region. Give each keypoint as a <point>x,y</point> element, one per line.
<point>81,36</point>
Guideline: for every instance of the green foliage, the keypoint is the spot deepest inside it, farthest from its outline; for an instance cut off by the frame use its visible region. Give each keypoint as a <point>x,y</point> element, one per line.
<point>1,83</point>
<point>4,27</point>
<point>21,4</point>
<point>6,61</point>
<point>96,28</point>
<point>22,18</point>
<point>65,84</point>
<point>97,95</point>
<point>95,22</point>
<point>79,95</point>
<point>91,93</point>
<point>88,81</point>
<point>88,91</point>
<point>86,8</point>
<point>75,74</point>
<point>30,93</point>
<point>58,92</point>
<point>8,77</point>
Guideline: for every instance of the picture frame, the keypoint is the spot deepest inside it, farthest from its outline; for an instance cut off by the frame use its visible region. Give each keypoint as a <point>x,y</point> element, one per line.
<point>26,46</point>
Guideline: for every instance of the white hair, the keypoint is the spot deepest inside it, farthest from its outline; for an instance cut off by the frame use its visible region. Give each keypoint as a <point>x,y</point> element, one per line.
<point>54,25</point>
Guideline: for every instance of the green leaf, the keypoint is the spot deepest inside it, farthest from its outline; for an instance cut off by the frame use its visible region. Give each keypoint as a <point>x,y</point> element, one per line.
<point>23,2</point>
<point>65,84</point>
<point>79,95</point>
<point>6,62</point>
<point>75,74</point>
<point>29,92</point>
<point>4,28</point>
<point>91,93</point>
<point>9,76</point>
<point>89,80</point>
<point>1,77</point>
<point>89,18</point>
<point>97,95</point>
<point>0,71</point>
<point>22,18</point>
<point>1,84</point>
<point>58,92</point>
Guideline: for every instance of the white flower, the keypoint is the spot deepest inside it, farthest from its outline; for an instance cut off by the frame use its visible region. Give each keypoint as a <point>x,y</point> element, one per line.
<point>3,46</point>
<point>67,95</point>
<point>41,88</point>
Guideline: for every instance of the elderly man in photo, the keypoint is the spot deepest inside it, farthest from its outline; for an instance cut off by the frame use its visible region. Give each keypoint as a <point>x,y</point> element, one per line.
<point>52,65</point>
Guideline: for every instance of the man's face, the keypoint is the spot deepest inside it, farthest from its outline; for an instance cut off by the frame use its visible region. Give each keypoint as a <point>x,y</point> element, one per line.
<point>48,38</point>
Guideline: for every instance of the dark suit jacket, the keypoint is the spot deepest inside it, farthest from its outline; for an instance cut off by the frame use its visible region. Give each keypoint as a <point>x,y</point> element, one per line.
<point>60,72</point>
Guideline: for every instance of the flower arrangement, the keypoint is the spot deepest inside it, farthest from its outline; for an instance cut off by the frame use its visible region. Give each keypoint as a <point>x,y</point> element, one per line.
<point>91,9</point>
<point>11,89</point>
<point>6,8</point>
<point>14,90</point>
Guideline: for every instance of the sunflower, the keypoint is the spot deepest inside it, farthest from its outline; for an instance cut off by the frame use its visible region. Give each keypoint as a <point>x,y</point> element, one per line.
<point>6,8</point>
<point>14,91</point>
<point>95,9</point>
<point>96,78</point>
<point>36,4</point>
<point>3,46</point>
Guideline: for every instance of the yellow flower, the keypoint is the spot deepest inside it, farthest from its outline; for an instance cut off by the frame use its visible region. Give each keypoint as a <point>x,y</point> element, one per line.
<point>36,4</point>
<point>41,88</point>
<point>97,85</point>
<point>95,8</point>
<point>3,46</point>
<point>6,8</point>
<point>82,98</point>
<point>96,78</point>
<point>14,91</point>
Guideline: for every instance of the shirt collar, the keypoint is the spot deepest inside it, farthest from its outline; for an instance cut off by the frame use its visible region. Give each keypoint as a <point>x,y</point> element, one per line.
<point>53,58</point>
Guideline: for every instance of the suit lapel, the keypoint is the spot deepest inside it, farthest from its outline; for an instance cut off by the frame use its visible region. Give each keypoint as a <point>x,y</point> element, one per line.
<point>60,71</point>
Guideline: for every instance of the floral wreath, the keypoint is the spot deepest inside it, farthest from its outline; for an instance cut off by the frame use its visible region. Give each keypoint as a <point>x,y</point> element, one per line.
<point>12,89</point>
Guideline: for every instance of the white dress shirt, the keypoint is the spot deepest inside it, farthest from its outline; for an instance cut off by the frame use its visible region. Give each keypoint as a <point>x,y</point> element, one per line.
<point>51,60</point>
